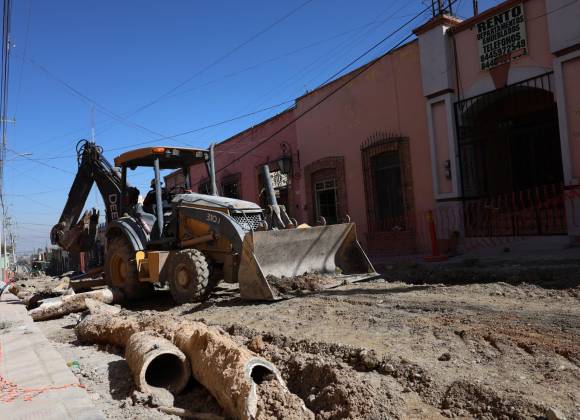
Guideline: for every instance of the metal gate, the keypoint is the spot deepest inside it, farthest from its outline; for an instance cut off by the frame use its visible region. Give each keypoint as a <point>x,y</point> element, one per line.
<point>510,161</point>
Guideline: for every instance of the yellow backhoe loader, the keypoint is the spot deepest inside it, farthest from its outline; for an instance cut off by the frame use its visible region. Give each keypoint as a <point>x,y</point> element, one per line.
<point>191,241</point>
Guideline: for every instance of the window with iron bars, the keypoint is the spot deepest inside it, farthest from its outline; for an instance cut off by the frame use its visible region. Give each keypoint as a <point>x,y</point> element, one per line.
<point>387,183</point>
<point>325,194</point>
<point>231,186</point>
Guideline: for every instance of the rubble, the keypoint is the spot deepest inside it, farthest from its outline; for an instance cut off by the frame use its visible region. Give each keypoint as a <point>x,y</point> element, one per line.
<point>307,282</point>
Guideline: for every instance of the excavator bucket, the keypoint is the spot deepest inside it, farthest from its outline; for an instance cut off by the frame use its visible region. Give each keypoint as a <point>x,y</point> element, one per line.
<point>273,260</point>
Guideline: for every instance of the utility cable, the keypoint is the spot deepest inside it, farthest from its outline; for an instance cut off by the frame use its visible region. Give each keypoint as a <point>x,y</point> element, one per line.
<point>223,57</point>
<point>229,75</point>
<point>41,162</point>
<point>91,101</point>
<point>356,74</point>
<point>183,133</point>
<point>28,18</point>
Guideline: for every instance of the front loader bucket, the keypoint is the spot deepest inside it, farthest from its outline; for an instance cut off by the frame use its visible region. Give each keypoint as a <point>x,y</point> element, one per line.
<point>271,255</point>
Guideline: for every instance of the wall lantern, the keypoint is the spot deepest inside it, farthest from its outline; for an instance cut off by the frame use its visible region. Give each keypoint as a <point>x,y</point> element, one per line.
<point>285,164</point>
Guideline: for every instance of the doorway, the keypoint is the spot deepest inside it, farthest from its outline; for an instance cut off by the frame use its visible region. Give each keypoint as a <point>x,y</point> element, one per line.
<point>510,160</point>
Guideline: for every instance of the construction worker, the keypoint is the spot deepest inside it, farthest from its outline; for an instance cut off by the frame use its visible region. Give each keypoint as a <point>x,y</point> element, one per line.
<point>149,202</point>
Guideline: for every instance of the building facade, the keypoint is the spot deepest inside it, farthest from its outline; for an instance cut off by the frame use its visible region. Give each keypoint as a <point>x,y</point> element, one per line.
<point>502,92</point>
<point>365,154</point>
<point>476,122</point>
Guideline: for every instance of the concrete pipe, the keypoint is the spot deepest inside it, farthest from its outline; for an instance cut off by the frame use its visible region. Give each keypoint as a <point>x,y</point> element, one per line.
<point>156,363</point>
<point>231,373</point>
<point>73,303</point>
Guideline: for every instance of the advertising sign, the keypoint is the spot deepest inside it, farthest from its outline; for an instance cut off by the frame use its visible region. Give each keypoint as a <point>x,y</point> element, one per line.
<point>502,37</point>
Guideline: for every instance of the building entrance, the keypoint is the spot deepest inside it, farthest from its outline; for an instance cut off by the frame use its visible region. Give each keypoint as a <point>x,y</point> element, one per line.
<point>510,161</point>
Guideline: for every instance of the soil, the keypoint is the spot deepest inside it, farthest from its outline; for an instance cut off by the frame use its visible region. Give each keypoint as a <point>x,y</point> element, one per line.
<point>299,285</point>
<point>377,350</point>
<point>274,402</point>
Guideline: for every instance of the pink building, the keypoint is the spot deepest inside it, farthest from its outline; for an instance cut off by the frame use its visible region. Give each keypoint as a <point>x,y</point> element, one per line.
<point>365,154</point>
<point>502,92</point>
<point>477,121</point>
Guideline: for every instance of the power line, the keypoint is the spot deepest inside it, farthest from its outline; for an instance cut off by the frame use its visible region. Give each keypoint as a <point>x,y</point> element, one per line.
<point>195,130</point>
<point>29,14</point>
<point>229,75</point>
<point>41,162</point>
<point>243,115</point>
<point>37,192</point>
<point>356,74</point>
<point>183,133</point>
<point>322,60</point>
<point>89,100</point>
<point>163,137</point>
<point>222,58</point>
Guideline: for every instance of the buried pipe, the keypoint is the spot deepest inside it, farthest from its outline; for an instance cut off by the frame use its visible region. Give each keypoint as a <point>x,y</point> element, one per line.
<point>156,363</point>
<point>230,372</point>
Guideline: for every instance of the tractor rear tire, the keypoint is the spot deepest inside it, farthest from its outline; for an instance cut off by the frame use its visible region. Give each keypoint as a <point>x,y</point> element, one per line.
<point>121,270</point>
<point>188,276</point>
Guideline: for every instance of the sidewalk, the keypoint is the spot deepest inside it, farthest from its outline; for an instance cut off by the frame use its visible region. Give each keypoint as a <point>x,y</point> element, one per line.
<point>35,381</point>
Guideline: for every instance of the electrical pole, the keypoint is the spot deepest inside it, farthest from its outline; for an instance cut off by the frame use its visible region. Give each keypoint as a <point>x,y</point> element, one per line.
<point>6,265</point>
<point>3,120</point>
<point>13,244</point>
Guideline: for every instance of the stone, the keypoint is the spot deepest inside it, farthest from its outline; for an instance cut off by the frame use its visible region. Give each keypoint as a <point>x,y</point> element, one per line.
<point>444,357</point>
<point>369,359</point>
<point>555,414</point>
<point>257,344</point>
<point>162,397</point>
<point>388,368</point>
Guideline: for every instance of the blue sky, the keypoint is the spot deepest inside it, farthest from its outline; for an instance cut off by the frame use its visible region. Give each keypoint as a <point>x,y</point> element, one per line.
<point>74,62</point>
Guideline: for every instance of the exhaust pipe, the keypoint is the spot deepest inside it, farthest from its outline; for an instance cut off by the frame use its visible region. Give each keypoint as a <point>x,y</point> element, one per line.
<point>156,363</point>
<point>213,185</point>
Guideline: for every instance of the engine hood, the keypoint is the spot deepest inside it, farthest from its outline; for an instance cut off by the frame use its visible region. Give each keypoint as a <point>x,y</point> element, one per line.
<point>216,201</point>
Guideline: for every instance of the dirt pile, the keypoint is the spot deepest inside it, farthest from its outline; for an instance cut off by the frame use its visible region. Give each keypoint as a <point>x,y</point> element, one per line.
<point>307,282</point>
<point>464,398</point>
<point>409,374</point>
<point>334,391</point>
<point>558,274</point>
<point>326,376</point>
<point>274,402</point>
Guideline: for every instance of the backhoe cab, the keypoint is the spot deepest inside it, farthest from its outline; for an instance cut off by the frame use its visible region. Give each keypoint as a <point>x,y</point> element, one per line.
<point>191,241</point>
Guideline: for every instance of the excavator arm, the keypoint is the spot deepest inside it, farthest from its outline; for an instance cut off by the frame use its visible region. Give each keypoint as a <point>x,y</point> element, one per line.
<point>73,234</point>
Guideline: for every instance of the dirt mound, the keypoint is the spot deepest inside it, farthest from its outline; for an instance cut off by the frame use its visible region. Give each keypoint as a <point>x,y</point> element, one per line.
<point>274,402</point>
<point>464,397</point>
<point>334,391</point>
<point>328,377</point>
<point>408,374</point>
<point>307,282</point>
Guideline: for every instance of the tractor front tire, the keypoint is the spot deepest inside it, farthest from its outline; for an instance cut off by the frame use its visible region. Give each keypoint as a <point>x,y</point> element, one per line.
<point>121,270</point>
<point>188,276</point>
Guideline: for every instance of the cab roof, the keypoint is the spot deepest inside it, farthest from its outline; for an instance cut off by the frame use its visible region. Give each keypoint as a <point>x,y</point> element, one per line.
<point>170,157</point>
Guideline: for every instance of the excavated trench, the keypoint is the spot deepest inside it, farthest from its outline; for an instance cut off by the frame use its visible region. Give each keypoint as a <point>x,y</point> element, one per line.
<point>333,381</point>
